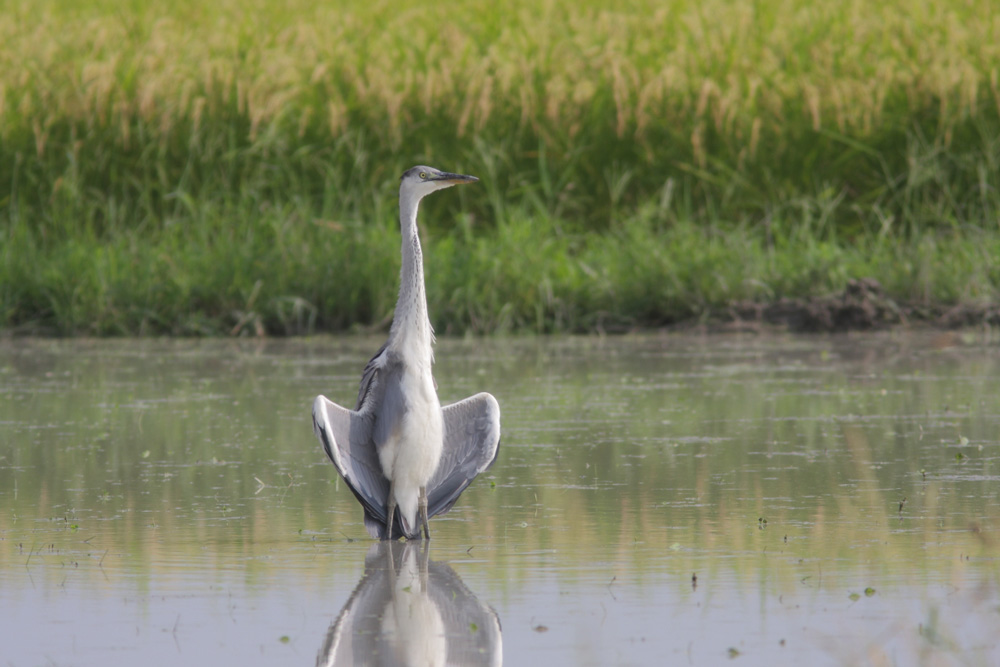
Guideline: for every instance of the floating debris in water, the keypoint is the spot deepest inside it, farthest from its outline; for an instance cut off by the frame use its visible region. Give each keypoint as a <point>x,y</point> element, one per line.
<point>869,591</point>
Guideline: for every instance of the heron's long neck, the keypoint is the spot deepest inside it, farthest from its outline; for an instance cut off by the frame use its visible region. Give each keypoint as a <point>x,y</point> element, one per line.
<point>411,328</point>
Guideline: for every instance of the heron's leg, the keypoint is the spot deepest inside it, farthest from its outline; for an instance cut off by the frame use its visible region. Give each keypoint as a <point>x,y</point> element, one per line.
<point>392,509</point>
<point>423,511</point>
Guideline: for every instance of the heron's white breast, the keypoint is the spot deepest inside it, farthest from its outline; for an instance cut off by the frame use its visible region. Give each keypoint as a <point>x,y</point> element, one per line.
<point>421,432</point>
<point>411,456</point>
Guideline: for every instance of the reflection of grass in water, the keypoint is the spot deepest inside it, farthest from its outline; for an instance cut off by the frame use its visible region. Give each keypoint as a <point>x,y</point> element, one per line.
<point>718,539</point>
<point>830,485</point>
<point>934,632</point>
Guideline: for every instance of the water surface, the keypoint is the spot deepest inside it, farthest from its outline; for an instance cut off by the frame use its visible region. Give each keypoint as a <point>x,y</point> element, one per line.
<point>657,499</point>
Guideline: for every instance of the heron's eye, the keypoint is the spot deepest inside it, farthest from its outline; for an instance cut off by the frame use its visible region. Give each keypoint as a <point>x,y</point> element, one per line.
<point>423,174</point>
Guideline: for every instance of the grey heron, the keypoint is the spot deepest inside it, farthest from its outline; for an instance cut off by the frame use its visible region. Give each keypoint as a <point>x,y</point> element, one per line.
<point>398,448</point>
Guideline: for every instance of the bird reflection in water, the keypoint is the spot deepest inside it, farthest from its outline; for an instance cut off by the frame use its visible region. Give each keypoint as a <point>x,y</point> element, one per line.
<point>410,610</point>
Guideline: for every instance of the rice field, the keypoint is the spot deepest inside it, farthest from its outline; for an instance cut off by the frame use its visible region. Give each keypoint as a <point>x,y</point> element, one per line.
<point>230,167</point>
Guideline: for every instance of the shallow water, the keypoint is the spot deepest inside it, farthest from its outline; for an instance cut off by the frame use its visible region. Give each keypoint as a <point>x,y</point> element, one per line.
<point>656,500</point>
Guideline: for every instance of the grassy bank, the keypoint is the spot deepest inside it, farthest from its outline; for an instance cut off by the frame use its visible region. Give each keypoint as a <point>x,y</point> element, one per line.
<point>280,272</point>
<point>179,168</point>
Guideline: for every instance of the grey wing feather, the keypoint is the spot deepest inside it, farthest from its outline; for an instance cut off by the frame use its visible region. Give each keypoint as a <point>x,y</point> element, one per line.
<point>346,437</point>
<point>471,443</point>
<point>391,404</point>
<point>381,396</point>
<point>369,376</point>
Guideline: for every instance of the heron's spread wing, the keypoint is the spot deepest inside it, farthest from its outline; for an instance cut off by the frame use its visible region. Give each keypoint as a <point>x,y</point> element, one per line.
<point>346,436</point>
<point>471,442</point>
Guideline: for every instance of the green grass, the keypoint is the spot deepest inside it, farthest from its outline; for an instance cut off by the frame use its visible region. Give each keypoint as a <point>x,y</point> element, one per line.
<point>282,273</point>
<point>186,169</point>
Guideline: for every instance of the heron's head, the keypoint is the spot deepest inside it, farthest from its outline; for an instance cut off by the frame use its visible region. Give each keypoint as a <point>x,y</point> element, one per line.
<point>420,181</point>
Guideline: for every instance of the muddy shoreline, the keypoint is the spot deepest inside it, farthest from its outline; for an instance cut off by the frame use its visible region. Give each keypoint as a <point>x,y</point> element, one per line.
<point>862,306</point>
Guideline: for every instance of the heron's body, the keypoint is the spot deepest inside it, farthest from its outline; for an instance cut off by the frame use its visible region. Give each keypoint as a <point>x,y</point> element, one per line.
<point>398,436</point>
<point>411,434</point>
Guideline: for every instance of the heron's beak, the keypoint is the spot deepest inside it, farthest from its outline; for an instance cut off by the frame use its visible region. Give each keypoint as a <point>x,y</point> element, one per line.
<point>456,179</point>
